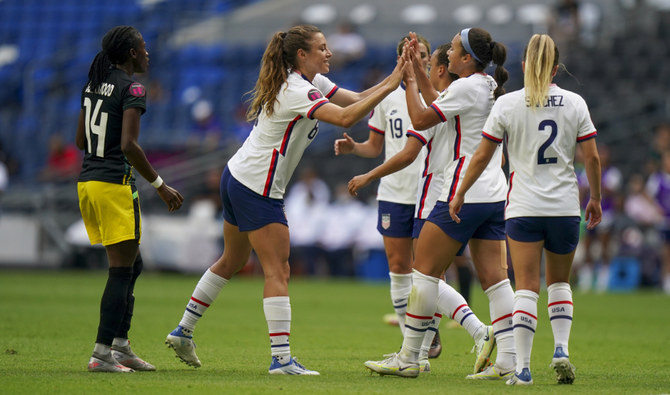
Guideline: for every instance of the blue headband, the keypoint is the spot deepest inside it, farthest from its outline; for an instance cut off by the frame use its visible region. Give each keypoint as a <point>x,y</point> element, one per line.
<point>466,44</point>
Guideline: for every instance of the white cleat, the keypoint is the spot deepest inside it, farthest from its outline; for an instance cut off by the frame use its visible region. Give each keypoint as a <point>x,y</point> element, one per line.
<point>292,367</point>
<point>184,346</point>
<point>395,366</point>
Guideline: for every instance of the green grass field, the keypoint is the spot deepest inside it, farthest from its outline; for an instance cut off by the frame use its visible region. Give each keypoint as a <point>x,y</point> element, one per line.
<point>620,342</point>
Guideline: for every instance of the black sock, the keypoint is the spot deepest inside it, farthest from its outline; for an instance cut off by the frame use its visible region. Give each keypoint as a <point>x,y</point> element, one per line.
<point>464,281</point>
<point>128,316</point>
<point>113,303</point>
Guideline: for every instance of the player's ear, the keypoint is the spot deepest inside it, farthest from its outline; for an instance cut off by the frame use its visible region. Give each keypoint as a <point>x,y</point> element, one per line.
<point>133,53</point>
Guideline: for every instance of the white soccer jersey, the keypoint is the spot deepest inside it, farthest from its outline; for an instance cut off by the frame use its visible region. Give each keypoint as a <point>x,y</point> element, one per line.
<point>468,101</point>
<point>391,119</point>
<point>541,146</point>
<point>268,157</point>
<point>433,165</point>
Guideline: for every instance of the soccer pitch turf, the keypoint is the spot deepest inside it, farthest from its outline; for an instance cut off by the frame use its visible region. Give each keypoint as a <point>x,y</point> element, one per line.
<point>620,343</point>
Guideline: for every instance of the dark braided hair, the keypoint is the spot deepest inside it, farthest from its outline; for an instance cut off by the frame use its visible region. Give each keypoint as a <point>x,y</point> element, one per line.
<point>116,45</point>
<point>488,51</point>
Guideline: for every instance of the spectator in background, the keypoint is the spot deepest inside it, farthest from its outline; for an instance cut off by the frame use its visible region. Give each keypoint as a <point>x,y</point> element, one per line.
<point>206,130</point>
<point>306,203</point>
<point>660,144</point>
<point>612,182</point>
<point>563,24</point>
<point>341,224</point>
<point>63,161</point>
<point>658,186</point>
<point>347,45</point>
<point>640,238</point>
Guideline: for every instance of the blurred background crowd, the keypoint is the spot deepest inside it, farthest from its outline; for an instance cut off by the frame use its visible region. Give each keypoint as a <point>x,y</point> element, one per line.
<point>205,56</point>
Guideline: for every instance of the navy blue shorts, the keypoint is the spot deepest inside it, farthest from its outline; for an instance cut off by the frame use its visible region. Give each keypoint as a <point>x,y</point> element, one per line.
<point>245,208</point>
<point>395,219</point>
<point>478,221</point>
<point>560,234</point>
<point>418,224</point>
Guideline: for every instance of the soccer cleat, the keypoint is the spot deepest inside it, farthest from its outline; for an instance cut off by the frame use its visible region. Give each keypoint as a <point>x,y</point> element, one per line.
<point>107,364</point>
<point>393,365</point>
<point>184,346</point>
<point>436,346</point>
<point>522,378</point>
<point>565,371</point>
<point>292,367</point>
<point>484,348</point>
<point>491,373</point>
<point>424,366</point>
<point>126,357</point>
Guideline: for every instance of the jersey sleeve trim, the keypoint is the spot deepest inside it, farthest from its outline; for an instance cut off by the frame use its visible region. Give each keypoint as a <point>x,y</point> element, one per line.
<point>310,113</point>
<point>587,137</point>
<point>374,129</point>
<point>332,92</point>
<point>488,136</point>
<point>412,133</point>
<point>439,112</point>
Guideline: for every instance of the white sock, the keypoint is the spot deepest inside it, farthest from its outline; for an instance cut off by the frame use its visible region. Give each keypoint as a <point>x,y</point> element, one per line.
<point>453,305</point>
<point>120,342</point>
<point>420,309</point>
<point>101,349</point>
<point>205,292</point>
<point>278,315</point>
<point>429,336</point>
<point>525,323</point>
<point>401,286</point>
<point>501,306</point>
<point>560,310</point>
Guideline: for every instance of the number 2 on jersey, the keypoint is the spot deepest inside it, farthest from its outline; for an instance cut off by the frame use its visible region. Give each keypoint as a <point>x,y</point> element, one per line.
<point>95,126</point>
<point>541,159</point>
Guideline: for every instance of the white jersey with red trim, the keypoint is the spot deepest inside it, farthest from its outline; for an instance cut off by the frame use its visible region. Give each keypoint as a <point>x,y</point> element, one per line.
<point>390,118</point>
<point>268,157</point>
<point>433,165</point>
<point>468,101</point>
<point>541,145</point>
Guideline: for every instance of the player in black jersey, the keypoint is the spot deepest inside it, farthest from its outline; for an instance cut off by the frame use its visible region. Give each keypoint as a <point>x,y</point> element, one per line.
<point>109,125</point>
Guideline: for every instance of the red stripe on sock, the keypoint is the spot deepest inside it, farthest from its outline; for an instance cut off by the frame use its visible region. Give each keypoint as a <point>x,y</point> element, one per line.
<point>199,301</point>
<point>418,317</point>
<point>458,308</point>
<point>279,334</point>
<point>560,302</point>
<point>501,318</point>
<point>525,312</point>
<point>438,315</point>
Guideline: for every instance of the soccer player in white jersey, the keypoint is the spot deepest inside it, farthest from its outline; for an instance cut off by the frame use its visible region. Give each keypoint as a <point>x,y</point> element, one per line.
<point>543,125</point>
<point>289,100</point>
<point>431,180</point>
<point>468,100</point>
<point>396,194</point>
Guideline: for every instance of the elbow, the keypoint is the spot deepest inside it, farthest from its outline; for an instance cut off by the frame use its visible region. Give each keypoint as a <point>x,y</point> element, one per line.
<point>420,124</point>
<point>347,122</point>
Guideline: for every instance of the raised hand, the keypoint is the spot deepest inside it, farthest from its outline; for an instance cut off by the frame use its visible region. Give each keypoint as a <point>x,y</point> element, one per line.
<point>344,146</point>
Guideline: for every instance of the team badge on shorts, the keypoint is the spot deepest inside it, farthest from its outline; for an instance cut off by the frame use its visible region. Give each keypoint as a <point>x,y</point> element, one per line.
<point>386,221</point>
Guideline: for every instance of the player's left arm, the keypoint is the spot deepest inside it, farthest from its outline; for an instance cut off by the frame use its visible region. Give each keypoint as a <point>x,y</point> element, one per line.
<point>80,138</point>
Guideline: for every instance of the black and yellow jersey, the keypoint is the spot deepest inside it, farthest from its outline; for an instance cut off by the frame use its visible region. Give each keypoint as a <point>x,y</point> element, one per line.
<point>103,118</point>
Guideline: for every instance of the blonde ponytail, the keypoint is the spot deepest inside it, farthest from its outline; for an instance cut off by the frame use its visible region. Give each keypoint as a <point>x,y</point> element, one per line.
<point>540,58</point>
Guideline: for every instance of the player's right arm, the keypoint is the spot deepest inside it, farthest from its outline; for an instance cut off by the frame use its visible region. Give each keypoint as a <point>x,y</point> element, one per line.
<point>131,149</point>
<point>394,164</point>
<point>370,148</point>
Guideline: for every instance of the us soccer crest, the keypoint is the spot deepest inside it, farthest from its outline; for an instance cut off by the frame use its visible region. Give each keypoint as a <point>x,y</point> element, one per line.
<point>386,221</point>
